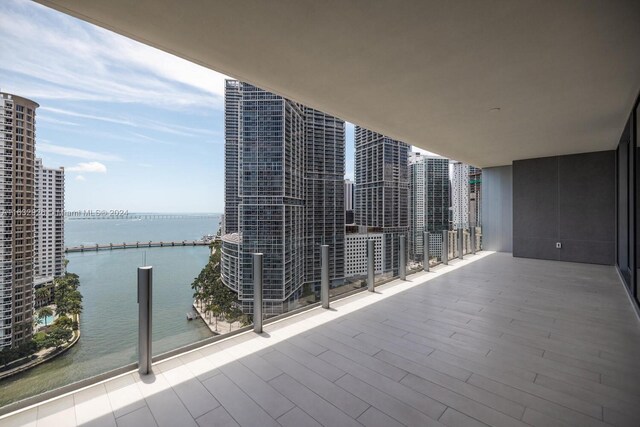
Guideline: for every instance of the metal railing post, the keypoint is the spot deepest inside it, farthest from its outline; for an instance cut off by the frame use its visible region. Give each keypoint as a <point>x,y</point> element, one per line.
<point>425,251</point>
<point>403,261</point>
<point>472,238</point>
<point>324,275</point>
<point>257,293</point>
<point>370,264</point>
<point>445,247</point>
<point>461,243</point>
<point>145,309</point>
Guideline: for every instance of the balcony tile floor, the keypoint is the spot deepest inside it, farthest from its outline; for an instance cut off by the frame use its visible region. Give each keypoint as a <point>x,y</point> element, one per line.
<point>491,340</point>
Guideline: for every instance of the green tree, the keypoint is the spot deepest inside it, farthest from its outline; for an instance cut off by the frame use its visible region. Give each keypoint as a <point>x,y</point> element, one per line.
<point>67,297</point>
<point>209,291</point>
<point>233,314</point>
<point>57,337</point>
<point>75,305</point>
<point>43,313</point>
<point>63,322</point>
<point>43,293</point>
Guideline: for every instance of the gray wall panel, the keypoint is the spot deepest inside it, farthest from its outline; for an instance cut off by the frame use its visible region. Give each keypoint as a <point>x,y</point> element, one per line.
<point>566,199</point>
<point>586,191</point>
<point>536,195</point>
<point>497,209</point>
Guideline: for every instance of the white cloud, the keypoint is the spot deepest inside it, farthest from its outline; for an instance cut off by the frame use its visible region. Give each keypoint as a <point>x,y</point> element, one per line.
<point>42,118</point>
<point>89,167</point>
<point>80,178</point>
<point>145,165</point>
<point>139,123</point>
<point>73,60</point>
<point>85,116</point>
<point>75,152</point>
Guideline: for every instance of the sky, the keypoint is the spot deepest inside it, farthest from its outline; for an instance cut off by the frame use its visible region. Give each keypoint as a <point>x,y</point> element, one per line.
<point>136,128</point>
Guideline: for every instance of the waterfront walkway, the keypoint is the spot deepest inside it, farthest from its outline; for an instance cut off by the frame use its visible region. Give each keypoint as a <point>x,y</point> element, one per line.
<point>490,340</point>
<point>217,327</point>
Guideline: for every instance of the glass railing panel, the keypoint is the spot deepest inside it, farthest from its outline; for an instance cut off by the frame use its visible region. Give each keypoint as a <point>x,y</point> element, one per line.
<point>453,245</point>
<point>435,247</point>
<point>102,336</point>
<point>187,311</point>
<point>347,286</point>
<point>108,322</point>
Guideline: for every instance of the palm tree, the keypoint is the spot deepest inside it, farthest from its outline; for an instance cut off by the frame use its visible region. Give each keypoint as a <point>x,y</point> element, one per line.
<point>44,313</point>
<point>43,294</point>
<point>75,305</point>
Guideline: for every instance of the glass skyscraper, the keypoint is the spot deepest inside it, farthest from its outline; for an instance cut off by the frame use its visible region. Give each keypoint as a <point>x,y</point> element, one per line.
<point>428,203</point>
<point>284,195</point>
<point>382,190</point>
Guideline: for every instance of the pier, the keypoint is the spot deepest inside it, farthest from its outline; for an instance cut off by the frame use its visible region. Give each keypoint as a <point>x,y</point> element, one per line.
<point>134,245</point>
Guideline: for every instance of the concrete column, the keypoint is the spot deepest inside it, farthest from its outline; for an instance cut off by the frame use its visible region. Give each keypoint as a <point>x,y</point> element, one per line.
<point>461,243</point>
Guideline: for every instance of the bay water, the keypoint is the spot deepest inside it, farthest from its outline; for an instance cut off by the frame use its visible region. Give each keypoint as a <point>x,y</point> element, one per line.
<point>109,322</point>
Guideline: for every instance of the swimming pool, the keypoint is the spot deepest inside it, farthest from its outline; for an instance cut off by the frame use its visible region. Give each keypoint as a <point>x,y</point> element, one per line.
<point>49,320</point>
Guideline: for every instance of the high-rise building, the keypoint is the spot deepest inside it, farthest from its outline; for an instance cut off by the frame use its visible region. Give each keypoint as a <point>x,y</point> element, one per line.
<point>17,135</point>
<point>348,195</point>
<point>232,99</point>
<point>324,200</point>
<point>460,195</point>
<point>284,171</point>
<point>475,196</point>
<point>382,190</point>
<point>428,203</point>
<point>49,221</point>
<point>465,195</point>
<point>348,201</point>
<point>356,259</point>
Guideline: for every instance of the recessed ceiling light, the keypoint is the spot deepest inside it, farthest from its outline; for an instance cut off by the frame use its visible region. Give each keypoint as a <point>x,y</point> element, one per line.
<point>494,110</point>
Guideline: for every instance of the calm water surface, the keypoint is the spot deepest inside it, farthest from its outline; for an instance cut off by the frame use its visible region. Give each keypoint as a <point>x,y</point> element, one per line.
<point>108,284</point>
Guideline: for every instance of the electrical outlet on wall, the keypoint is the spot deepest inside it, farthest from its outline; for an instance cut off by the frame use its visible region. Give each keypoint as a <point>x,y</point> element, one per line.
<point>558,245</point>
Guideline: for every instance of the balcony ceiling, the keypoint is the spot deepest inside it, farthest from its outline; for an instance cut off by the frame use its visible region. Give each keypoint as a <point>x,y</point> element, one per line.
<point>564,74</point>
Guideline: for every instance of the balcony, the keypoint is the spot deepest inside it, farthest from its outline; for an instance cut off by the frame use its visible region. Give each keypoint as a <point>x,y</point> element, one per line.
<point>491,339</point>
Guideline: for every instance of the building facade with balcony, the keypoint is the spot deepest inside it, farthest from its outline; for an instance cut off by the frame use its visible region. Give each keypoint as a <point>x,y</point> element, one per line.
<point>17,221</point>
<point>284,195</point>
<point>428,203</point>
<point>382,189</point>
<point>49,221</point>
<point>466,200</point>
<point>349,194</point>
<point>356,253</point>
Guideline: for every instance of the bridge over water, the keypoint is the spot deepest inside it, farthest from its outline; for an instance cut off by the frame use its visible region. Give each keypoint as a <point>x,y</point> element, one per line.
<point>84,215</point>
<point>135,245</point>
